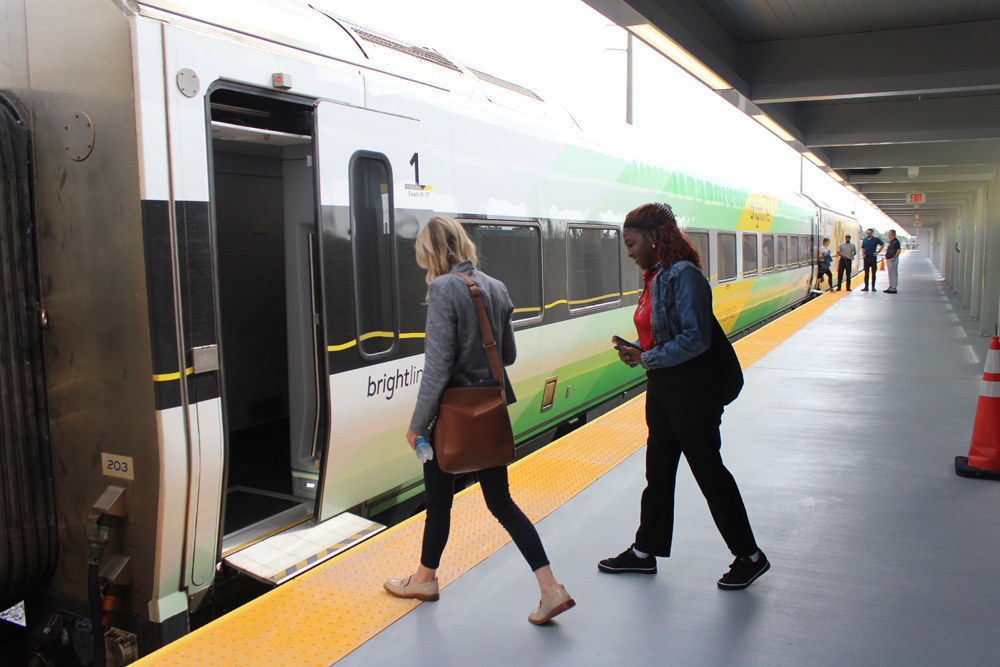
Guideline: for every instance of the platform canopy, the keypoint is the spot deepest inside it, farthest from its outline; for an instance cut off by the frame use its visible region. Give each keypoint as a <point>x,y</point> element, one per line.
<point>895,97</point>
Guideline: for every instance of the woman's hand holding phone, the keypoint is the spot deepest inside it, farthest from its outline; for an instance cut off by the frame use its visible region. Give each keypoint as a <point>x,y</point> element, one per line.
<point>627,352</point>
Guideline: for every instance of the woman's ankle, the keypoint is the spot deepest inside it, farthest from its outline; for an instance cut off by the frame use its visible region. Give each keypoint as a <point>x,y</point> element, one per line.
<point>423,575</point>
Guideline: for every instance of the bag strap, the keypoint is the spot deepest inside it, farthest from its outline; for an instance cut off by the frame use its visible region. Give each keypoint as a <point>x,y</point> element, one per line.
<point>484,327</point>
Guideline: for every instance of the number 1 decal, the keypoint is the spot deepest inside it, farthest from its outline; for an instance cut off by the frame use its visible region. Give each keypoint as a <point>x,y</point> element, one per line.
<point>415,163</point>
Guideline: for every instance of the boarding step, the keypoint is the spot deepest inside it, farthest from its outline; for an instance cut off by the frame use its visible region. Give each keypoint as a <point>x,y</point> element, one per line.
<point>290,552</point>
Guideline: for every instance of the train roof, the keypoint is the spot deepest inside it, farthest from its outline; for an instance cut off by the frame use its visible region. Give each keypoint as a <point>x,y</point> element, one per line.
<point>314,29</point>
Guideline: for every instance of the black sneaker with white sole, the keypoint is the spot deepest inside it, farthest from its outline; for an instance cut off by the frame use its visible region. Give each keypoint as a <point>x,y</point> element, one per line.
<point>744,572</point>
<point>627,561</point>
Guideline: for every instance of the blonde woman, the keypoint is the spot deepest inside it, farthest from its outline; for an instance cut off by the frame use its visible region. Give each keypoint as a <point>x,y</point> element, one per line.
<point>455,356</point>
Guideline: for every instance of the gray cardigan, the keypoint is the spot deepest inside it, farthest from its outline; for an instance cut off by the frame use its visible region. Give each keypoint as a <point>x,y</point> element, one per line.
<point>454,353</point>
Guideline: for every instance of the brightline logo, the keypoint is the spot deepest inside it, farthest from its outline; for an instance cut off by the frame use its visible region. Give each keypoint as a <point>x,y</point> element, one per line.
<point>388,384</point>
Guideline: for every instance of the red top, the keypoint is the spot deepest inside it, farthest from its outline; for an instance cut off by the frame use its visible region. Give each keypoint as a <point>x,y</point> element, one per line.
<point>642,317</point>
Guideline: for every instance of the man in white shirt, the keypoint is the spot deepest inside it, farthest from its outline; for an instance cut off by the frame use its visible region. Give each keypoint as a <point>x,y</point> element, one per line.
<point>846,252</point>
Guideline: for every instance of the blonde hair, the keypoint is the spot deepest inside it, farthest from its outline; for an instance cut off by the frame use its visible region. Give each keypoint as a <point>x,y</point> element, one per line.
<point>441,244</point>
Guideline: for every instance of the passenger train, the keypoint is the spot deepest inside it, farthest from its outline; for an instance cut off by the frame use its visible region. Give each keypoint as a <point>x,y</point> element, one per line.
<point>213,313</point>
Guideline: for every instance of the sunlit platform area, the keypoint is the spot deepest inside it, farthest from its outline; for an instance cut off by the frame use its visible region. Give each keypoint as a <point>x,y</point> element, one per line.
<point>842,442</point>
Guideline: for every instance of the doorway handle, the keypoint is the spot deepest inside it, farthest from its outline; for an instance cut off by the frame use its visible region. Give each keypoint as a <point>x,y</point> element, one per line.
<point>317,347</point>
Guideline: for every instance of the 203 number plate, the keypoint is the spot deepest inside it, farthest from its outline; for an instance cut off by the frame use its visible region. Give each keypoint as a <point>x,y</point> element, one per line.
<point>117,466</point>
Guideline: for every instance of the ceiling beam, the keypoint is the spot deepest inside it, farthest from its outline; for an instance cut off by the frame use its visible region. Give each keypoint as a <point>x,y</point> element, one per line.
<point>931,154</point>
<point>927,175</point>
<point>928,188</point>
<point>913,61</point>
<point>900,121</point>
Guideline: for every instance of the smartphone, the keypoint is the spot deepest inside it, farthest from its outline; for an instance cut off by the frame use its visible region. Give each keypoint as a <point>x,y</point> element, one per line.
<point>621,342</point>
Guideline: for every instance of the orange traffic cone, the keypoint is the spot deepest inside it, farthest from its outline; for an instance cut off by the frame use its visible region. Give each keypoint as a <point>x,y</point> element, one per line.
<point>983,460</point>
<point>882,268</point>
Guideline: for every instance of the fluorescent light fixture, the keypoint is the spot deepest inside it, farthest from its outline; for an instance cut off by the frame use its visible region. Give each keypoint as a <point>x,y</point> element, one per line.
<point>837,176</point>
<point>767,122</point>
<point>671,49</point>
<point>815,160</point>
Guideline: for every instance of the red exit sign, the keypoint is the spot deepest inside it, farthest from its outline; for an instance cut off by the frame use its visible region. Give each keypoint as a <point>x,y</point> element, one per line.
<point>917,197</point>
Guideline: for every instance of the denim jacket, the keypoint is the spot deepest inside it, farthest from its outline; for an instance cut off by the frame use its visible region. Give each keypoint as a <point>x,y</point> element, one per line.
<point>680,315</point>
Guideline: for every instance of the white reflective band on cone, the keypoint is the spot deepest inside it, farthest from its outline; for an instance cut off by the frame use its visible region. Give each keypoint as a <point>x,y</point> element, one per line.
<point>990,389</point>
<point>993,361</point>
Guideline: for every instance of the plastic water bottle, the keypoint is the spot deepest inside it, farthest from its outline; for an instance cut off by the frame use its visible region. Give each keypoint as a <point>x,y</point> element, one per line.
<point>424,451</point>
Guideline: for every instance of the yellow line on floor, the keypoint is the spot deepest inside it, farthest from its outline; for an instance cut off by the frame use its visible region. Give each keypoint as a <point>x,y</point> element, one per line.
<point>326,613</point>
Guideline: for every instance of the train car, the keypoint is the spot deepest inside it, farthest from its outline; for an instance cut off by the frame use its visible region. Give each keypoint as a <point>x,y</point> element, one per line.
<point>225,324</point>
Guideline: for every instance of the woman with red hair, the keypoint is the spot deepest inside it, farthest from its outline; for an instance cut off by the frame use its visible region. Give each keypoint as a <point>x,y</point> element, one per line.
<point>685,398</point>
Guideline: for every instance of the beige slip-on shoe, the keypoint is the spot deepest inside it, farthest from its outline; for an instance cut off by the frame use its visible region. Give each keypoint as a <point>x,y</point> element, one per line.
<point>556,604</point>
<point>401,588</point>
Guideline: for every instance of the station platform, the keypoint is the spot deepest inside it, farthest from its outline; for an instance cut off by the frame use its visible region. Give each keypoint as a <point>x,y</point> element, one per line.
<point>842,443</point>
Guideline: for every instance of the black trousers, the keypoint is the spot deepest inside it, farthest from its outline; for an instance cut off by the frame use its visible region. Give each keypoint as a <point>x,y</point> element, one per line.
<point>440,491</point>
<point>871,263</point>
<point>844,269</point>
<point>683,417</point>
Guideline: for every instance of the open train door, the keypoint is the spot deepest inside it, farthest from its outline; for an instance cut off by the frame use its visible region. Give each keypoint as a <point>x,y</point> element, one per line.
<point>373,179</point>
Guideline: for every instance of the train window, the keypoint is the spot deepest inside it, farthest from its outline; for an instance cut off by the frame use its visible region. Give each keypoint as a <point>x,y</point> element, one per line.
<point>727,256</point>
<point>782,252</point>
<point>793,250</point>
<point>749,254</point>
<point>373,233</point>
<point>593,259</point>
<point>767,251</point>
<point>700,241</point>
<point>806,252</point>
<point>512,255</point>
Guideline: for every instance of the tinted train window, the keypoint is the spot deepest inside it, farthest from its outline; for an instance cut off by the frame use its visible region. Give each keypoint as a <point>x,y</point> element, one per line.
<point>782,252</point>
<point>373,233</point>
<point>700,241</point>
<point>727,257</point>
<point>793,250</point>
<point>749,254</point>
<point>806,252</point>
<point>512,255</point>
<point>767,251</point>
<point>593,257</point>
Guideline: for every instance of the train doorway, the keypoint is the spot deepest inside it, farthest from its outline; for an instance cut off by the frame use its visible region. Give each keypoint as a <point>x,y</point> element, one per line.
<point>269,312</point>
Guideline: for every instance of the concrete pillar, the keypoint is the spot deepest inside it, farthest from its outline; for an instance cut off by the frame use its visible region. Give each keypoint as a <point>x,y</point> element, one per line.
<point>949,231</point>
<point>968,240</point>
<point>979,249</point>
<point>991,260</point>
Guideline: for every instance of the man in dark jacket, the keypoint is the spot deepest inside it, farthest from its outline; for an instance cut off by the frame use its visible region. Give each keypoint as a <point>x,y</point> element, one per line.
<point>870,245</point>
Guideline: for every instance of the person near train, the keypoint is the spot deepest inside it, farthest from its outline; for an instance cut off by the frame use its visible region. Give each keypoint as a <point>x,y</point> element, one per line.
<point>684,399</point>
<point>892,251</point>
<point>454,356</point>
<point>846,253</point>
<point>824,259</point>
<point>870,245</point>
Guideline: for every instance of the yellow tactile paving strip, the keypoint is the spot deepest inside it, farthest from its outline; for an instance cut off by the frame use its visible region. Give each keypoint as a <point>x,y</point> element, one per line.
<point>318,618</point>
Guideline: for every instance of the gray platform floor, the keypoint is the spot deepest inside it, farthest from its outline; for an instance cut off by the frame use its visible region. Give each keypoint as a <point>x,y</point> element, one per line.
<point>843,443</point>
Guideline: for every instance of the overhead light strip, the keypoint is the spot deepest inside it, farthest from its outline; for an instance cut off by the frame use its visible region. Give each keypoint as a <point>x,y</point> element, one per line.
<point>814,159</point>
<point>770,124</point>
<point>671,49</point>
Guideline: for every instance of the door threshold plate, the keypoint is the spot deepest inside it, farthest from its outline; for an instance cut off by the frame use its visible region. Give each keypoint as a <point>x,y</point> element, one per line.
<point>288,554</point>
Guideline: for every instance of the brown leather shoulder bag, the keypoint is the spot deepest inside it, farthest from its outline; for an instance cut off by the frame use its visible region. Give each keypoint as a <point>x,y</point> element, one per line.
<point>472,431</point>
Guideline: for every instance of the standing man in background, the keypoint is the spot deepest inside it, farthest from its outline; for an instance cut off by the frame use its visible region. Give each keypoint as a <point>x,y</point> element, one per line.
<point>892,262</point>
<point>870,245</point>
<point>846,252</point>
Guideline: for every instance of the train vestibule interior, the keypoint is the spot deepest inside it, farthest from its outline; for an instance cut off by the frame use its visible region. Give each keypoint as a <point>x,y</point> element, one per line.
<point>265,237</point>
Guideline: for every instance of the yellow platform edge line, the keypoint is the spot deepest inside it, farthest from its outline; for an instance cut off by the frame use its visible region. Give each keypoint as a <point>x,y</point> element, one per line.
<point>768,337</point>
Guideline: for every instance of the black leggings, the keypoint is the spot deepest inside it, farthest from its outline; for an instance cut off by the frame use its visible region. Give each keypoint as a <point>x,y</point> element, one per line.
<point>440,489</point>
<point>829,277</point>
